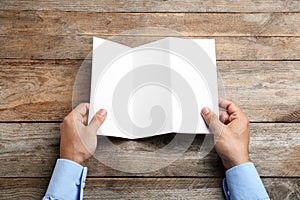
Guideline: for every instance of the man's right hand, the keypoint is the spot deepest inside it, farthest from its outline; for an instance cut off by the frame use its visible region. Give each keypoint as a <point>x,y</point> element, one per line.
<point>231,133</point>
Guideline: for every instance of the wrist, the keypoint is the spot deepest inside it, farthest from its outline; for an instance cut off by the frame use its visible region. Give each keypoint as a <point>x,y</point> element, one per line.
<point>78,159</point>
<point>237,161</point>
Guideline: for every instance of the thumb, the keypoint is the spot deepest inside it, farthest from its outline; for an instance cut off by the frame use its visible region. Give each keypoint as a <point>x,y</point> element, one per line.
<point>97,120</point>
<point>211,119</point>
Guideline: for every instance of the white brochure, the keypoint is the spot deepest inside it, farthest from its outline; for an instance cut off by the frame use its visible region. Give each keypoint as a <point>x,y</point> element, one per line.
<point>153,89</point>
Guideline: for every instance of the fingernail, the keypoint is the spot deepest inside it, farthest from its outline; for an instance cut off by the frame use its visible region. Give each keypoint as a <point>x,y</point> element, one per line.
<point>205,111</point>
<point>102,112</point>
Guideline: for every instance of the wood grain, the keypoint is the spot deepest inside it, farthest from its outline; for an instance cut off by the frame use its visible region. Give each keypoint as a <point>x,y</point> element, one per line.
<point>30,89</point>
<point>146,188</point>
<point>187,24</point>
<point>268,82</point>
<point>292,117</point>
<point>41,90</point>
<point>78,47</point>
<point>43,44</point>
<point>154,6</point>
<point>31,149</point>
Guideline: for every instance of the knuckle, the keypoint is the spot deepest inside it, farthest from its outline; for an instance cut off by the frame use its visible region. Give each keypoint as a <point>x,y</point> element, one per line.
<point>82,104</point>
<point>67,119</point>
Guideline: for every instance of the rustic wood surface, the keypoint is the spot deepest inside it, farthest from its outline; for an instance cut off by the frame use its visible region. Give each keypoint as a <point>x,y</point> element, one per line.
<point>188,24</point>
<point>155,6</point>
<point>79,47</point>
<point>44,43</point>
<point>147,188</point>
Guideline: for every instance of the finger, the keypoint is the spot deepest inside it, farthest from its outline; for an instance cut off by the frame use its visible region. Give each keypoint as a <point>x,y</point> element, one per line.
<point>97,120</point>
<point>212,121</point>
<point>80,112</point>
<point>229,106</point>
<point>81,109</point>
<point>223,116</point>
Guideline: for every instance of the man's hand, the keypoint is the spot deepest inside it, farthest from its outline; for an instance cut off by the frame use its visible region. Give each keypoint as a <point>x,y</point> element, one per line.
<point>231,133</point>
<point>78,141</point>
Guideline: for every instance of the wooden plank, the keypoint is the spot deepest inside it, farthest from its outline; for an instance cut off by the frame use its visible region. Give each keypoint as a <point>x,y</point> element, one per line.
<point>146,188</point>
<point>33,89</point>
<point>78,47</point>
<point>183,188</point>
<point>155,6</point>
<point>188,24</point>
<point>266,83</point>
<point>41,90</point>
<point>31,149</point>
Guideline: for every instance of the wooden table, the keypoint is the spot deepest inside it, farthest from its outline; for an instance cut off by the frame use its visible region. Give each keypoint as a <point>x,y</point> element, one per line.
<point>43,44</point>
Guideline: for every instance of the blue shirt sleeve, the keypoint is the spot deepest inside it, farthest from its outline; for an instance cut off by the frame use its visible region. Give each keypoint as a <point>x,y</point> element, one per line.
<point>243,182</point>
<point>67,181</point>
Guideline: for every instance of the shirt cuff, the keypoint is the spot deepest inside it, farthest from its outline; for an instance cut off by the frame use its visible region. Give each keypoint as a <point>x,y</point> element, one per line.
<point>67,181</point>
<point>243,182</point>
